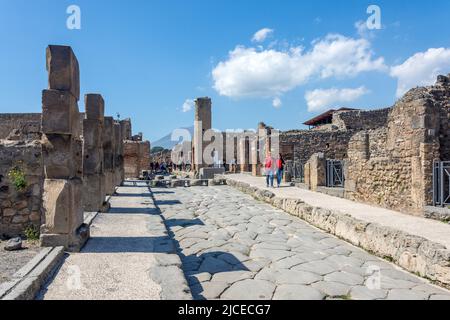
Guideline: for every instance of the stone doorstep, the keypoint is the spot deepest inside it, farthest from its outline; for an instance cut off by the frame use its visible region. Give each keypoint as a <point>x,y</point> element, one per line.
<point>27,282</point>
<point>437,213</point>
<point>379,240</point>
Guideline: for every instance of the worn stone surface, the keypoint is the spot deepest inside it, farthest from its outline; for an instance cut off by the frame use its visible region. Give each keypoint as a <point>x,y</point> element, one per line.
<point>234,247</point>
<point>414,253</point>
<point>12,261</point>
<point>130,256</point>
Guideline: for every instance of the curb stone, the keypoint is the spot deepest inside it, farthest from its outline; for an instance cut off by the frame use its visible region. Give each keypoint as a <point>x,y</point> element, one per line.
<point>415,254</point>
<point>27,282</point>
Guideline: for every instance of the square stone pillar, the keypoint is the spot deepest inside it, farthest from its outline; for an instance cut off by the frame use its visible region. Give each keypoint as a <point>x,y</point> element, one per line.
<point>93,172</point>
<point>62,153</point>
<point>315,171</point>
<point>118,158</point>
<point>108,155</point>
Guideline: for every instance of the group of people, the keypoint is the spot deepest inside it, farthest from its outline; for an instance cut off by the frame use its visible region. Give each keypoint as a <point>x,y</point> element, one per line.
<point>274,168</point>
<point>163,167</point>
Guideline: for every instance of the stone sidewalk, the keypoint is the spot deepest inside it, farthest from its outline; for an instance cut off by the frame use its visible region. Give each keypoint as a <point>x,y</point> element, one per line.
<point>129,256</point>
<point>235,247</point>
<point>417,244</point>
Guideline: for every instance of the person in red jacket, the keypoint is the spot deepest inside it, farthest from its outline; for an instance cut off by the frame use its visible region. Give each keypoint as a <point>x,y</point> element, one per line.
<point>280,169</point>
<point>269,169</point>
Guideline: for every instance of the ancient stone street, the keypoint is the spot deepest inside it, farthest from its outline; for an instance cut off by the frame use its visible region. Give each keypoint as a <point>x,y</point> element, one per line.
<point>234,247</point>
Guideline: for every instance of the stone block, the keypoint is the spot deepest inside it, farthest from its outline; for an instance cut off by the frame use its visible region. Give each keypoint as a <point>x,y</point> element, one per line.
<point>62,204</point>
<point>95,107</point>
<point>208,173</point>
<point>62,157</point>
<point>60,113</point>
<point>93,192</point>
<point>92,134</point>
<point>92,161</point>
<point>63,70</point>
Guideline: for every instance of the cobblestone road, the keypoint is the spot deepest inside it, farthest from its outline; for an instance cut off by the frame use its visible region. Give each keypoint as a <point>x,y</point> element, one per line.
<point>234,247</point>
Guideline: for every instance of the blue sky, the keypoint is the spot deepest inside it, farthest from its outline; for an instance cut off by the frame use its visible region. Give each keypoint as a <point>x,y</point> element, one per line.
<point>148,57</point>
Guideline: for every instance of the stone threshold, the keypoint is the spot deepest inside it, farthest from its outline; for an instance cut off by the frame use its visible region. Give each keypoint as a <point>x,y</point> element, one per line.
<point>438,213</point>
<point>26,283</point>
<point>413,253</point>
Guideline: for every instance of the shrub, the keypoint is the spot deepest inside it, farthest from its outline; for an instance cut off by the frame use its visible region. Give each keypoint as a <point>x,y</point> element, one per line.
<point>32,233</point>
<point>17,178</point>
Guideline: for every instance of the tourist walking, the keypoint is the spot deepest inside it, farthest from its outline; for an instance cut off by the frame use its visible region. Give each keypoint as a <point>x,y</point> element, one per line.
<point>280,169</point>
<point>269,169</point>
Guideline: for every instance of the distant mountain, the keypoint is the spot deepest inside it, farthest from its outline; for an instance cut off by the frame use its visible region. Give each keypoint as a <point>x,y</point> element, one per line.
<point>166,141</point>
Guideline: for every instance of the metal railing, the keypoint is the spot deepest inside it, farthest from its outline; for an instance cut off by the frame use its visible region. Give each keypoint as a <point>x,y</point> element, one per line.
<point>295,170</point>
<point>441,183</point>
<point>335,174</point>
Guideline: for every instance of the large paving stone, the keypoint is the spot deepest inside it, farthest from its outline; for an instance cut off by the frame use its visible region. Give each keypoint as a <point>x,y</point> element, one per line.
<point>405,294</point>
<point>250,290</point>
<point>232,276</point>
<point>345,278</point>
<point>332,289</point>
<point>297,292</point>
<point>213,265</point>
<point>273,255</point>
<point>208,290</point>
<point>319,267</point>
<point>364,293</point>
<point>284,276</point>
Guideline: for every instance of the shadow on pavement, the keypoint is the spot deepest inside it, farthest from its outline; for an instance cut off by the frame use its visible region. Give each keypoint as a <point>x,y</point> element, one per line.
<point>210,262</point>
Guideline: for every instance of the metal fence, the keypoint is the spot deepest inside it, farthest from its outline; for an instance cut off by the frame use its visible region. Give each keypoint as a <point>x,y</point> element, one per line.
<point>335,174</point>
<point>295,171</point>
<point>441,183</point>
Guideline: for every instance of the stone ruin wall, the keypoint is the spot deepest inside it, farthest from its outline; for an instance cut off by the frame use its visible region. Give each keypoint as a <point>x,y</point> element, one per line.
<point>20,209</point>
<point>392,166</point>
<point>301,145</point>
<point>360,119</point>
<point>136,158</point>
<point>20,126</point>
<point>332,140</point>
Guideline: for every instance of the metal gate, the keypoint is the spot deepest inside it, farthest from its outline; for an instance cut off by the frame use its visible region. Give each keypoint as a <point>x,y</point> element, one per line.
<point>295,170</point>
<point>335,174</point>
<point>441,183</point>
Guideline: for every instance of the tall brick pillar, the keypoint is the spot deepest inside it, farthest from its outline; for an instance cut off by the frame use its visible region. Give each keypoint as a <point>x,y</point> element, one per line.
<point>93,176</point>
<point>62,153</point>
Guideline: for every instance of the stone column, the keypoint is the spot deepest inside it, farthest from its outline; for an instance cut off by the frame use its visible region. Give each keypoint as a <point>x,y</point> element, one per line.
<point>62,153</point>
<point>118,149</point>
<point>108,153</point>
<point>202,123</point>
<point>93,176</point>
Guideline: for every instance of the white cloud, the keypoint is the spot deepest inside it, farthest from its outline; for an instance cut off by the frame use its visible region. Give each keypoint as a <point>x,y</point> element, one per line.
<point>277,103</point>
<point>188,105</point>
<point>363,31</point>
<point>321,99</point>
<point>271,72</point>
<point>421,69</point>
<point>262,35</point>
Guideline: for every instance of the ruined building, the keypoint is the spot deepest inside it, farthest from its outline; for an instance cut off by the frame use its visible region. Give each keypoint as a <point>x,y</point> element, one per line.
<point>136,152</point>
<point>397,157</point>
